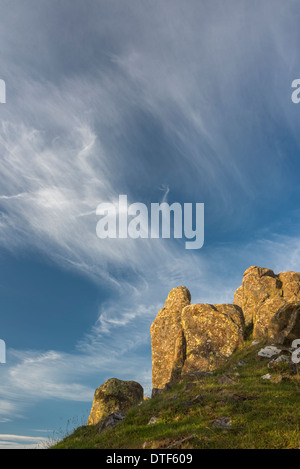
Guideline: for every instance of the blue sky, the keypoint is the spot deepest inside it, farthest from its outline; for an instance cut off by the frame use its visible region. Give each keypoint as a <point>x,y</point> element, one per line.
<point>160,100</point>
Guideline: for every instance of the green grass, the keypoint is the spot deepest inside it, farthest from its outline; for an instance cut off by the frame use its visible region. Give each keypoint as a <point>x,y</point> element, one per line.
<point>264,414</point>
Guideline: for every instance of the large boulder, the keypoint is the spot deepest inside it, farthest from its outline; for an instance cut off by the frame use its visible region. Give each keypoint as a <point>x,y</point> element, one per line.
<point>212,333</point>
<point>167,340</point>
<point>114,396</point>
<point>263,293</point>
<point>284,326</point>
<point>259,284</point>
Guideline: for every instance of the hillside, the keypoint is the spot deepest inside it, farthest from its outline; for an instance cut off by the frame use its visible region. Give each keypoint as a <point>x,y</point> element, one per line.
<point>233,407</point>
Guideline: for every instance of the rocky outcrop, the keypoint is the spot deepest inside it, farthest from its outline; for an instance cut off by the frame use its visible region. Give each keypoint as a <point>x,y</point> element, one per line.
<point>114,396</point>
<point>189,338</point>
<point>212,333</point>
<point>167,340</point>
<point>263,293</point>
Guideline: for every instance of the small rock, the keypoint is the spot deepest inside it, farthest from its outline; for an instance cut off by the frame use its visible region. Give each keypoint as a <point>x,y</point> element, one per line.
<point>241,363</point>
<point>153,421</point>
<point>223,422</point>
<point>269,351</point>
<point>277,361</point>
<point>255,342</point>
<point>111,421</point>
<point>267,376</point>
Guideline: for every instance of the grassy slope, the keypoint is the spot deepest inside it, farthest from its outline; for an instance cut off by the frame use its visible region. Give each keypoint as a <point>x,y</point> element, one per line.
<point>264,414</point>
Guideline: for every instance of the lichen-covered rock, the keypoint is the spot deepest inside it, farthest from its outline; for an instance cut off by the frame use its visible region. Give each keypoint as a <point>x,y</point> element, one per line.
<point>263,293</point>
<point>238,297</point>
<point>114,396</point>
<point>259,284</point>
<point>212,333</point>
<point>167,341</point>
<point>264,314</point>
<point>284,326</point>
<point>290,285</point>
<point>179,356</point>
<point>189,338</point>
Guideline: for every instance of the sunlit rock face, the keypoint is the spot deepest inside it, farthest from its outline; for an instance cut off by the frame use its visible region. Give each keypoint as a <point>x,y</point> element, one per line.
<point>113,396</point>
<point>263,293</point>
<point>167,340</point>
<point>212,333</point>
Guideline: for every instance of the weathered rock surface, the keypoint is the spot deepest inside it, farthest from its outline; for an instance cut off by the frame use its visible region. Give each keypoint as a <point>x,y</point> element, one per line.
<point>264,314</point>
<point>263,293</point>
<point>269,351</point>
<point>212,333</point>
<point>114,396</point>
<point>223,422</point>
<point>259,284</point>
<point>167,340</point>
<point>111,421</point>
<point>192,338</point>
<point>284,326</point>
<point>290,285</point>
<point>277,362</point>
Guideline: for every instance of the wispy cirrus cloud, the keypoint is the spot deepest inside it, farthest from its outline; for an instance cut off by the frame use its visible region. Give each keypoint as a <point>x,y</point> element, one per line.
<point>22,442</point>
<point>67,144</point>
